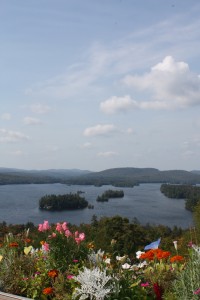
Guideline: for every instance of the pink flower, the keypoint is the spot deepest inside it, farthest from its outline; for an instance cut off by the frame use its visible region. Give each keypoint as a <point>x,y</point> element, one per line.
<point>78,241</point>
<point>59,227</point>
<point>64,226</point>
<point>45,247</point>
<point>144,284</point>
<point>40,227</point>
<point>70,276</point>
<point>197,292</point>
<point>82,236</point>
<point>190,244</point>
<point>76,234</point>
<point>79,237</point>
<point>68,233</point>
<point>44,227</point>
<point>75,260</point>
<point>53,235</point>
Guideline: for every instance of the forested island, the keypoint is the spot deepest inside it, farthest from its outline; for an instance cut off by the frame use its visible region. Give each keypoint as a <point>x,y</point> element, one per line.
<point>110,194</point>
<point>62,202</point>
<point>190,193</point>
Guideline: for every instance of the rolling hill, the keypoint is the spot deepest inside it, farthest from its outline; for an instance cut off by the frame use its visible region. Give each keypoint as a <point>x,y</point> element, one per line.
<point>116,176</point>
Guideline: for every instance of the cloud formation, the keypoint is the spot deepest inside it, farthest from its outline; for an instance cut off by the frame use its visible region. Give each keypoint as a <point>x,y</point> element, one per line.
<point>86,145</point>
<point>115,104</point>
<point>169,84</point>
<point>107,154</point>
<point>31,121</point>
<point>99,130</point>
<point>17,153</point>
<point>7,136</point>
<point>6,116</point>
<point>40,108</point>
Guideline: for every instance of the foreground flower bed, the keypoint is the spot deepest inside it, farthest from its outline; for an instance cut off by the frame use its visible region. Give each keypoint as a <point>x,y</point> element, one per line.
<point>65,266</point>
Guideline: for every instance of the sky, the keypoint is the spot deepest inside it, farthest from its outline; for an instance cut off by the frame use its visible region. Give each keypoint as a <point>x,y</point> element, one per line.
<point>100,84</point>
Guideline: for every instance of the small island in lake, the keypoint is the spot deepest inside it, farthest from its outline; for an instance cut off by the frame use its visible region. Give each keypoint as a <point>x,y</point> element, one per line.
<point>62,202</point>
<point>110,194</point>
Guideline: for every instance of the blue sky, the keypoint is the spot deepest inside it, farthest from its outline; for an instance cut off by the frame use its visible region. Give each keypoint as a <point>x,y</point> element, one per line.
<point>94,85</point>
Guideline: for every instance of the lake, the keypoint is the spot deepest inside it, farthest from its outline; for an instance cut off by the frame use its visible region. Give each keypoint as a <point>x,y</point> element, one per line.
<point>19,205</point>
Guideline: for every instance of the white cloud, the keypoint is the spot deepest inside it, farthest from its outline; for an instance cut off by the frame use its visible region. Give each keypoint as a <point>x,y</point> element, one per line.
<point>99,130</point>
<point>141,47</point>
<point>129,130</point>
<point>53,149</point>
<point>6,116</point>
<point>17,153</point>
<point>171,84</point>
<point>107,154</point>
<point>31,121</point>
<point>115,104</point>
<point>40,108</point>
<point>7,136</point>
<point>86,145</point>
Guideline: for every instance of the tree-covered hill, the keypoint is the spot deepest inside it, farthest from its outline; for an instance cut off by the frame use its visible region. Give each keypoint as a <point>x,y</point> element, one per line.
<point>134,176</point>
<point>19,176</point>
<point>119,177</point>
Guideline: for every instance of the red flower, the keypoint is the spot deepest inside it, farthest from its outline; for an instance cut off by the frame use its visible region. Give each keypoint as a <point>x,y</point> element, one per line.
<point>155,254</point>
<point>13,245</point>
<point>47,291</point>
<point>176,258</point>
<point>163,254</point>
<point>158,291</point>
<point>27,240</point>
<point>53,273</point>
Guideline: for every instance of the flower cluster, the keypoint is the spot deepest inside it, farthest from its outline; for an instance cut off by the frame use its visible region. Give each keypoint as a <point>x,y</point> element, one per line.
<point>63,265</point>
<point>155,254</point>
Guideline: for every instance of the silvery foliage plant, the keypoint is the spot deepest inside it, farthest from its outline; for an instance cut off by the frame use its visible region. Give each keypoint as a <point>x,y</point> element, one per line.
<point>94,284</point>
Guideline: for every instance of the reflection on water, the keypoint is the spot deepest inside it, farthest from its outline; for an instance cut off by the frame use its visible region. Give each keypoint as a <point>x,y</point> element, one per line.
<point>19,204</point>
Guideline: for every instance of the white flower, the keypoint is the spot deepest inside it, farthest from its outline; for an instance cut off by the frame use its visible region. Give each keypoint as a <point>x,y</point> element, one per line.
<point>121,258</point>
<point>96,258</point>
<point>142,264</point>
<point>138,254</point>
<point>196,248</point>
<point>95,284</point>
<point>107,261</point>
<point>175,244</point>
<point>126,266</point>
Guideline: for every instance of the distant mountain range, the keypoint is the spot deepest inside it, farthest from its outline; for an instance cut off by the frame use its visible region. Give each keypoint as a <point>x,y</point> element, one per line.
<point>115,176</point>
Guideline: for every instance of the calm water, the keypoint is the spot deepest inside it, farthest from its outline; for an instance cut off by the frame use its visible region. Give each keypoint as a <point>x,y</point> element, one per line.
<point>19,204</point>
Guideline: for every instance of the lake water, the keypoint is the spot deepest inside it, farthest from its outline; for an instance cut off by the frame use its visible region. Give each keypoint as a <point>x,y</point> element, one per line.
<point>19,205</point>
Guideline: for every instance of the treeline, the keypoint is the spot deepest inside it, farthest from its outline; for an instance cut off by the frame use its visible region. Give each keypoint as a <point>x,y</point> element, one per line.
<point>113,234</point>
<point>110,194</point>
<point>118,177</point>
<point>24,179</point>
<point>188,192</point>
<point>62,202</point>
<point>130,177</point>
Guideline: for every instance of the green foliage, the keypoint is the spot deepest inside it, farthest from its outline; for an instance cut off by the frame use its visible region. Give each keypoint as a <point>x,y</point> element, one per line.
<point>62,202</point>
<point>108,244</point>
<point>189,192</point>
<point>110,194</point>
<point>130,177</point>
<point>119,177</point>
<point>186,284</point>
